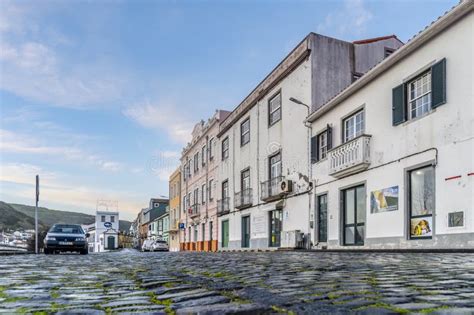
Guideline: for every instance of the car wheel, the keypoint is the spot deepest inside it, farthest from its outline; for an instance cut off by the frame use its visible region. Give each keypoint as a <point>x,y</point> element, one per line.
<point>84,251</point>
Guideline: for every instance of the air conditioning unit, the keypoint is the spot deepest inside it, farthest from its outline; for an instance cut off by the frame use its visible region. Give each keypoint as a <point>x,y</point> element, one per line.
<point>285,186</point>
<point>291,239</point>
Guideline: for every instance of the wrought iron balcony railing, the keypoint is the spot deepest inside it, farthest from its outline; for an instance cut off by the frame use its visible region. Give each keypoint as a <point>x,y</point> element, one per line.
<point>271,188</point>
<point>243,199</point>
<point>223,206</point>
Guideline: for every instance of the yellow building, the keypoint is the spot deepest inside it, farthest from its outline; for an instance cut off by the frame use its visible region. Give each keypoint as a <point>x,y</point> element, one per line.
<point>175,198</point>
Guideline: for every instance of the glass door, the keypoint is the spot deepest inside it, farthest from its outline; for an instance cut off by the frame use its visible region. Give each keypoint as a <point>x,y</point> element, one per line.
<point>225,233</point>
<point>354,215</point>
<point>276,218</point>
<point>246,231</point>
<point>322,218</point>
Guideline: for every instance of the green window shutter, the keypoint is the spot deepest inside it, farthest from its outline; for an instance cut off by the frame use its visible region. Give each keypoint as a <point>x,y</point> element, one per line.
<point>314,149</point>
<point>329,134</point>
<point>438,83</point>
<point>398,105</point>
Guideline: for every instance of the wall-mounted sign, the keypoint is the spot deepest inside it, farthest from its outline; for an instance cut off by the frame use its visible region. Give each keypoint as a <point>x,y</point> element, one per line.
<point>107,225</point>
<point>384,200</point>
<point>181,226</point>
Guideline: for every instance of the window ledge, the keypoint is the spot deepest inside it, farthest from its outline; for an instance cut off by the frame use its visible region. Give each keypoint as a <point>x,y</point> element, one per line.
<point>419,117</point>
<point>320,161</point>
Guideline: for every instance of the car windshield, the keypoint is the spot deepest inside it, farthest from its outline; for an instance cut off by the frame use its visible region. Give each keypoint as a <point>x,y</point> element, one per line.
<point>161,242</point>
<point>68,229</point>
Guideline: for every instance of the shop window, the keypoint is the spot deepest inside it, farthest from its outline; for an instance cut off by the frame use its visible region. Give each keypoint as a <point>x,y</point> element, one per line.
<point>421,202</point>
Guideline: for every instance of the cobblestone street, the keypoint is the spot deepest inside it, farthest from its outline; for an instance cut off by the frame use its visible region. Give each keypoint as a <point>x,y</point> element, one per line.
<point>268,283</point>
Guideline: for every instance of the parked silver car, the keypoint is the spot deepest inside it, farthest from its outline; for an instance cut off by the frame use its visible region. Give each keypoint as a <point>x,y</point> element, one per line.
<point>160,245</point>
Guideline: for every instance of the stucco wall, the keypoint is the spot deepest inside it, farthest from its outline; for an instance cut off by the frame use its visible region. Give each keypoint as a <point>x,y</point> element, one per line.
<point>449,128</point>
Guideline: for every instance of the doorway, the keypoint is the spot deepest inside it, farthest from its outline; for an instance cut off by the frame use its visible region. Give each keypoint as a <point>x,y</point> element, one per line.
<point>110,242</point>
<point>246,231</point>
<point>354,208</point>
<point>225,233</point>
<point>276,218</point>
<point>322,202</point>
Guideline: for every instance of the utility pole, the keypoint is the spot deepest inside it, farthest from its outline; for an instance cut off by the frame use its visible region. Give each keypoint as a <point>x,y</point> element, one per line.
<point>36,214</point>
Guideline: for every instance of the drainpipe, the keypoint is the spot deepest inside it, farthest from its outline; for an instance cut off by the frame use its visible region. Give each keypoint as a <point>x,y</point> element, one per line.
<point>308,148</point>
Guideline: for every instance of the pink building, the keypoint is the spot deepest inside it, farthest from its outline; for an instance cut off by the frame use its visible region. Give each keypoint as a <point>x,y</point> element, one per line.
<point>199,168</point>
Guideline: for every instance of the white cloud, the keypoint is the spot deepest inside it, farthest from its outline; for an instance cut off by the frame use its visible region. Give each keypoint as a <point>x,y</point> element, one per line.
<point>163,118</point>
<point>350,20</point>
<point>16,143</point>
<point>32,68</point>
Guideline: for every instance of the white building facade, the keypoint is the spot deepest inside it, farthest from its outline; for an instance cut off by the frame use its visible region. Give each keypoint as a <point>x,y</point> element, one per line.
<point>106,231</point>
<point>394,152</point>
<point>264,190</point>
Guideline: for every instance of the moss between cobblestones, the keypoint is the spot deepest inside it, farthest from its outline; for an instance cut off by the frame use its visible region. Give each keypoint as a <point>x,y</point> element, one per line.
<point>234,298</point>
<point>281,310</point>
<point>22,310</point>
<point>166,303</point>
<point>57,307</point>
<point>383,305</point>
<point>434,309</point>
<point>9,299</point>
<point>54,293</point>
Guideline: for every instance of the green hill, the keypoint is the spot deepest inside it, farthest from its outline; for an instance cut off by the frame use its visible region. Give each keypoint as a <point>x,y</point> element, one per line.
<point>48,216</point>
<point>11,219</point>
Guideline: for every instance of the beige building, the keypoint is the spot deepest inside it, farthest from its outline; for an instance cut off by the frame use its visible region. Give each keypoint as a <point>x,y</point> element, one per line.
<point>199,166</point>
<point>175,209</point>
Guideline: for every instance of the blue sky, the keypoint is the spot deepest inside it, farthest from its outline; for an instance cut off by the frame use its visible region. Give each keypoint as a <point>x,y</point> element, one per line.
<point>99,97</point>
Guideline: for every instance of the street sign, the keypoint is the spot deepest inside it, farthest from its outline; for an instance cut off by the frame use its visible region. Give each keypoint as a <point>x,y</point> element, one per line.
<point>108,225</point>
<point>181,226</point>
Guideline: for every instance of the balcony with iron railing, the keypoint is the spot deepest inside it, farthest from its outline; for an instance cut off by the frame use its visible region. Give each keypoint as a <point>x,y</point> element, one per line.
<point>243,199</point>
<point>350,157</point>
<point>194,210</point>
<point>271,188</point>
<point>223,206</point>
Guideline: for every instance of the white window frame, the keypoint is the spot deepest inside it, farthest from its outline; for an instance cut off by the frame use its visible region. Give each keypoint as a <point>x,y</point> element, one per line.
<point>323,145</point>
<point>196,162</point>
<point>203,194</point>
<point>353,129</point>
<point>277,166</point>
<point>225,148</point>
<point>245,133</point>
<point>211,154</point>
<point>419,95</point>
<point>203,156</point>
<point>272,112</point>
<point>211,197</point>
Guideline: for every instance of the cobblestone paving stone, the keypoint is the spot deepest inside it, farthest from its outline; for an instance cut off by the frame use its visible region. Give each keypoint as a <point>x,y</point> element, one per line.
<point>237,283</point>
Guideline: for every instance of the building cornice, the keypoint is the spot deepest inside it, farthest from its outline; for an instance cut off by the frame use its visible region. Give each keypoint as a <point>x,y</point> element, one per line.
<point>412,45</point>
<point>285,67</point>
<point>205,130</point>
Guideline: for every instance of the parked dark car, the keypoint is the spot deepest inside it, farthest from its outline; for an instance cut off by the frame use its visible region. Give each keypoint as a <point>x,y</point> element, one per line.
<point>66,238</point>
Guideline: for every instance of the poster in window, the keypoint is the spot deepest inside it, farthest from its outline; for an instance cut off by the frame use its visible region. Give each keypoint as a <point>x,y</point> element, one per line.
<point>384,200</point>
<point>421,227</point>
